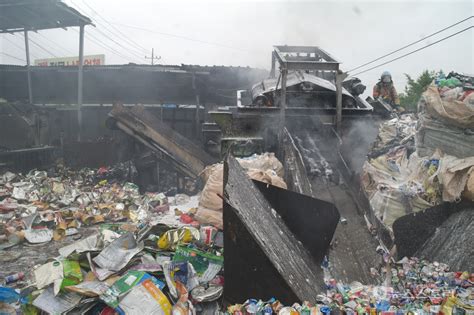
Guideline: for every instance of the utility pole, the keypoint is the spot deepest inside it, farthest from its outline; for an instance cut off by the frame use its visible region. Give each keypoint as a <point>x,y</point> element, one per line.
<point>153,57</point>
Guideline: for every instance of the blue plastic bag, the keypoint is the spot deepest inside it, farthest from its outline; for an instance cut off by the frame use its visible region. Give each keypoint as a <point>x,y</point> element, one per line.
<point>8,295</point>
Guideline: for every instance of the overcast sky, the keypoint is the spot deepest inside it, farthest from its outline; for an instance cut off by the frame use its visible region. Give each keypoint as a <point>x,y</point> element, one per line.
<point>241,33</point>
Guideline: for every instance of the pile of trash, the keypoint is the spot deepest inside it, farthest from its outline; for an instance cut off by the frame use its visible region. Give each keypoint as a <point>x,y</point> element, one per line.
<point>417,286</point>
<point>99,245</point>
<point>446,117</point>
<point>155,270</point>
<point>38,208</point>
<point>420,161</point>
<point>105,248</point>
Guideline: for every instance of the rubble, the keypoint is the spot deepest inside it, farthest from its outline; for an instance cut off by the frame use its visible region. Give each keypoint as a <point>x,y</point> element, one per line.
<point>421,161</point>
<point>105,224</point>
<point>89,241</point>
<point>127,262</point>
<point>418,286</point>
<point>417,179</point>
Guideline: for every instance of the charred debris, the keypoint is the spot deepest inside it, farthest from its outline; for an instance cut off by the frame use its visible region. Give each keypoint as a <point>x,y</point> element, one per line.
<point>302,197</point>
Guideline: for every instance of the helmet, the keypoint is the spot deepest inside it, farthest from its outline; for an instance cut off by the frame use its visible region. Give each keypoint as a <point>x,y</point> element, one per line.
<point>386,74</point>
<point>386,77</point>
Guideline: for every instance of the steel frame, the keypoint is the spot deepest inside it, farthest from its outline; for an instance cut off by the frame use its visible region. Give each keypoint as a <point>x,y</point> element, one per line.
<point>306,58</point>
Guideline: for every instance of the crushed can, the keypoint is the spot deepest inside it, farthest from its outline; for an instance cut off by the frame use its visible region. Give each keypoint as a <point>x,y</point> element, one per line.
<point>14,277</point>
<point>267,310</point>
<point>208,233</point>
<point>325,310</point>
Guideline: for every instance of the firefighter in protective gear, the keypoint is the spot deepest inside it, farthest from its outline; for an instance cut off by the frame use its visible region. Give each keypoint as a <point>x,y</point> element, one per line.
<point>386,90</point>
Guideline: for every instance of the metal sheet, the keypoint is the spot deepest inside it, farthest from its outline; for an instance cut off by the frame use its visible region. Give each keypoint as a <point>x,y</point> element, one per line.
<point>451,243</point>
<point>312,221</point>
<point>263,256</point>
<point>441,233</point>
<point>17,16</point>
<point>295,78</point>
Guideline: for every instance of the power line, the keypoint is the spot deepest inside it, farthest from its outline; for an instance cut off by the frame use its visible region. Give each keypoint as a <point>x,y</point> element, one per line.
<point>8,55</point>
<point>18,46</point>
<point>411,44</point>
<point>133,43</point>
<point>109,37</point>
<point>57,45</point>
<point>48,39</point>
<point>414,51</point>
<point>132,53</point>
<point>103,45</point>
<point>109,47</point>
<point>46,50</point>
<point>183,37</point>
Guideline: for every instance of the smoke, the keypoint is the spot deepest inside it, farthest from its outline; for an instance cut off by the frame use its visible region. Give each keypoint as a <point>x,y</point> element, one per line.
<point>357,139</point>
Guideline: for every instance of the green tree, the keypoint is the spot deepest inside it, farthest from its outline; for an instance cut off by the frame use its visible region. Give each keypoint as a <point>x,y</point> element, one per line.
<point>414,88</point>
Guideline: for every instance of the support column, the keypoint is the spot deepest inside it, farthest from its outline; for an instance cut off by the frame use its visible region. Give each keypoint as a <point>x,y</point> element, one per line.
<point>157,170</point>
<point>79,81</point>
<point>272,71</point>
<point>284,73</point>
<point>340,76</point>
<point>28,70</point>
<point>197,121</point>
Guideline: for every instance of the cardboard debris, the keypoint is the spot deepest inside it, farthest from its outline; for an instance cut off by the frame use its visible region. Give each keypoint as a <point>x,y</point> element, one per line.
<point>117,254</point>
<point>90,243</point>
<point>145,298</point>
<point>37,236</point>
<point>56,304</point>
<point>50,273</point>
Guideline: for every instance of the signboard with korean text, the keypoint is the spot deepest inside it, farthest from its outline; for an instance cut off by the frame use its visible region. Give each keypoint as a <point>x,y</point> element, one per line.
<point>90,60</point>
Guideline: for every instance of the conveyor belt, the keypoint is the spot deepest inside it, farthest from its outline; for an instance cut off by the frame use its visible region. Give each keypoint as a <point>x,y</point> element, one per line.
<point>354,249</point>
<point>166,143</point>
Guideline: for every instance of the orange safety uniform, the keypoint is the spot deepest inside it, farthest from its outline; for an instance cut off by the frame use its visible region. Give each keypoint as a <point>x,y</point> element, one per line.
<point>387,92</point>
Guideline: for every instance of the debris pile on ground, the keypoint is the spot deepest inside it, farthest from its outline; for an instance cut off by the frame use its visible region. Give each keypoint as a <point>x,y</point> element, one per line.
<point>37,207</point>
<point>132,253</point>
<point>96,244</point>
<point>417,163</point>
<point>397,181</point>
<point>103,247</point>
<point>417,286</point>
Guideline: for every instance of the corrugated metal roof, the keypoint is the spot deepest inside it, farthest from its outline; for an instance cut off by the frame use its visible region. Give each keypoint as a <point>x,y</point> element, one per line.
<point>294,78</point>
<point>20,15</point>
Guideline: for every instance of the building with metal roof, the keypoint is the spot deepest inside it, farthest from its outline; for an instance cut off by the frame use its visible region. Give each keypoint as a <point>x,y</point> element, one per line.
<point>33,15</point>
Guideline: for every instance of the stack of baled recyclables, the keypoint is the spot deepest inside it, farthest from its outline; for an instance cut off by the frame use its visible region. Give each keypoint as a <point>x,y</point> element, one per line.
<point>426,159</point>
